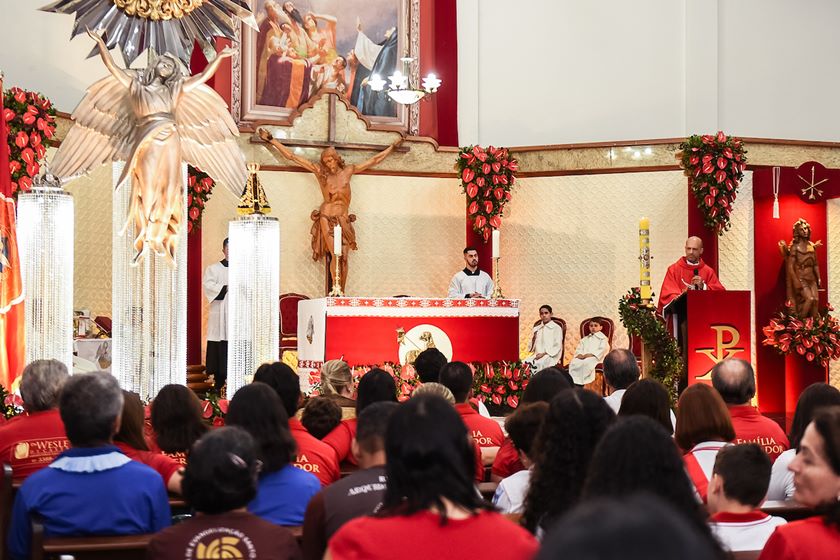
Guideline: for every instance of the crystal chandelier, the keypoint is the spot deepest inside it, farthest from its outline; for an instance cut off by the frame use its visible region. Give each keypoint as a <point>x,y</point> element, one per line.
<point>45,237</point>
<point>399,86</point>
<point>253,286</point>
<point>149,305</point>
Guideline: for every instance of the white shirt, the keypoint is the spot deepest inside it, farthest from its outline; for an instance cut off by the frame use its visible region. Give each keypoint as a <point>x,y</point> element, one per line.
<point>614,400</point>
<point>583,371</point>
<point>511,492</point>
<point>215,278</point>
<point>746,531</point>
<point>466,282</point>
<point>781,479</point>
<point>547,338</point>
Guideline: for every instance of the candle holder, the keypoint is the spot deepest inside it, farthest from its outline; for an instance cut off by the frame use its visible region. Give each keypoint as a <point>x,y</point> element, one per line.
<point>497,286</point>
<point>336,287</point>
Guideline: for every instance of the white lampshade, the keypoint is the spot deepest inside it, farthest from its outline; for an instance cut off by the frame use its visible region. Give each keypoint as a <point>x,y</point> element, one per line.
<point>376,82</point>
<point>253,297</point>
<point>45,226</point>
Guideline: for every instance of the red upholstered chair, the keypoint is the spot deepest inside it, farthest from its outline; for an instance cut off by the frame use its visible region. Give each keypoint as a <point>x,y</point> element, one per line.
<point>104,323</point>
<point>288,320</point>
<point>562,324</point>
<point>608,328</point>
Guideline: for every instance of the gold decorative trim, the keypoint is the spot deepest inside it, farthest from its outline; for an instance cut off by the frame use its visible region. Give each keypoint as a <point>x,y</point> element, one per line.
<point>157,10</point>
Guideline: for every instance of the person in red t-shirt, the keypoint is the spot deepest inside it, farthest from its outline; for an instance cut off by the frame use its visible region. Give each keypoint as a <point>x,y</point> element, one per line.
<point>31,441</point>
<point>734,379</point>
<point>458,378</point>
<point>313,455</point>
<point>816,475</point>
<point>131,441</point>
<point>374,386</point>
<point>430,508</point>
<point>177,422</point>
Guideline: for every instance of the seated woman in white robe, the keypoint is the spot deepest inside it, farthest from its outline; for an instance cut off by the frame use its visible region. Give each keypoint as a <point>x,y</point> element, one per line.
<point>589,352</point>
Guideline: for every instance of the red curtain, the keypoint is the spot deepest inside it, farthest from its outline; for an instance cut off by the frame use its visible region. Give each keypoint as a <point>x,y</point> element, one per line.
<point>439,55</point>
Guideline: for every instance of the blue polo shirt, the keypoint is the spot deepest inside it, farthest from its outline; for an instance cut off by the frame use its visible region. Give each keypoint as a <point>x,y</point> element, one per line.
<point>89,491</point>
<point>282,496</point>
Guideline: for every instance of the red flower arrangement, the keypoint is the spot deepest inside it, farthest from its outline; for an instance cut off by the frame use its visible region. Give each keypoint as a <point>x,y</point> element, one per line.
<point>498,384</point>
<point>817,339</point>
<point>214,409</point>
<point>715,166</point>
<point>487,177</point>
<point>199,187</point>
<point>30,118</point>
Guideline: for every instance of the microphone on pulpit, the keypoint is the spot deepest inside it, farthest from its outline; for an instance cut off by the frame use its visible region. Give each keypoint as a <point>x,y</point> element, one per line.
<point>696,273</point>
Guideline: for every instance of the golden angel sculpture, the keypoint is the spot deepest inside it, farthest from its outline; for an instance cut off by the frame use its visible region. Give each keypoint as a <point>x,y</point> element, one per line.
<point>155,120</point>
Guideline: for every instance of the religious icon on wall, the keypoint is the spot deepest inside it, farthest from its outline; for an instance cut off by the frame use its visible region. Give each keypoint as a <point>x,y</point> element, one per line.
<point>305,46</point>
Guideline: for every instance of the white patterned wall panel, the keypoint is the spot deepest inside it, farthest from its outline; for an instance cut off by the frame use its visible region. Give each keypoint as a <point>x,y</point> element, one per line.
<point>410,233</point>
<point>92,274</point>
<point>573,242</point>
<point>736,250</point>
<point>833,244</point>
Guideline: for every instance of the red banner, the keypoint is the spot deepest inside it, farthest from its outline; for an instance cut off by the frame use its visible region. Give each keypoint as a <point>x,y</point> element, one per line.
<point>718,328</point>
<point>374,340</point>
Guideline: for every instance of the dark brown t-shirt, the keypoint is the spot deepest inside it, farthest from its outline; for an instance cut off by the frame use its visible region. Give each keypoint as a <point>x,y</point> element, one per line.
<point>354,496</point>
<point>225,535</point>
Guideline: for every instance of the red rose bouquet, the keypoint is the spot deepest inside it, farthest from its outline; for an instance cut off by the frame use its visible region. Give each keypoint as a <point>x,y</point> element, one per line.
<point>816,339</point>
<point>715,166</point>
<point>30,118</point>
<point>199,187</point>
<point>487,177</point>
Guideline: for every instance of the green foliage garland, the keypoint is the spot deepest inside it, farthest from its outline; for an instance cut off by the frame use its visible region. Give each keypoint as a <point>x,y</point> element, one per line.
<point>640,320</point>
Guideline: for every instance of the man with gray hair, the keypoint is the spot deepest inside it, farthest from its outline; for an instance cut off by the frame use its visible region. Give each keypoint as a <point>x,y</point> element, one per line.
<point>92,488</point>
<point>734,379</point>
<point>31,441</point>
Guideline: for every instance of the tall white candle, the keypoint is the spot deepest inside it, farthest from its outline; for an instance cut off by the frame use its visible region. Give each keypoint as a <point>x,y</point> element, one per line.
<point>337,241</point>
<point>496,240</point>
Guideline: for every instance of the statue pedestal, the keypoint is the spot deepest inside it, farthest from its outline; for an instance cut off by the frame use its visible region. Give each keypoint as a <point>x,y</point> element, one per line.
<point>799,373</point>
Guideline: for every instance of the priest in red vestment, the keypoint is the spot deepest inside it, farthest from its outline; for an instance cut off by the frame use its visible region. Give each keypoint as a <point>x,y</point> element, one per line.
<point>688,273</point>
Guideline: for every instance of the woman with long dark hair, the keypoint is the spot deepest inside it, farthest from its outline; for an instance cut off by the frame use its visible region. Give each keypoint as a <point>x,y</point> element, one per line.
<point>637,455</point>
<point>284,491</point>
<point>816,475</point>
<point>176,421</point>
<point>648,397</point>
<point>575,422</point>
<point>431,508</point>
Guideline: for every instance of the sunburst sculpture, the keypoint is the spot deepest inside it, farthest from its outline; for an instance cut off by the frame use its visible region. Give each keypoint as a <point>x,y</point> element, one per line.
<point>167,26</point>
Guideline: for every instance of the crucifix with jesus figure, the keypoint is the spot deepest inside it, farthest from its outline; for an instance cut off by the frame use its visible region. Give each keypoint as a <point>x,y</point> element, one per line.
<point>333,177</point>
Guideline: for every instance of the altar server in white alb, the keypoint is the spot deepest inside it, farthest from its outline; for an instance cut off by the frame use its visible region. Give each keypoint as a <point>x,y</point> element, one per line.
<point>215,282</point>
<point>546,341</point>
<point>589,352</point>
<point>471,282</point>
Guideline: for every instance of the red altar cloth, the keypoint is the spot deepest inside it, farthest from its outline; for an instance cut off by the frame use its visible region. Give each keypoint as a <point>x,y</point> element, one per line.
<point>366,331</point>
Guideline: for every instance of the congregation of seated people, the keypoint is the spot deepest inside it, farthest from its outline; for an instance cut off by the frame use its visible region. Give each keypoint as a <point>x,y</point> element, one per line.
<point>355,474</point>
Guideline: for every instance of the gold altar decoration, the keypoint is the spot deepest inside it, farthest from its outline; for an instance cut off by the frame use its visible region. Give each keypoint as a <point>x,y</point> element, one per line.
<point>158,9</point>
<point>253,199</point>
<point>802,280</point>
<point>154,120</point>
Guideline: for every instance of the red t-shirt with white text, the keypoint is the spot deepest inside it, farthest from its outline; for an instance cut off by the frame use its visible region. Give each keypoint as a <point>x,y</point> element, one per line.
<point>485,432</point>
<point>31,441</point>
<point>313,455</point>
<point>752,427</point>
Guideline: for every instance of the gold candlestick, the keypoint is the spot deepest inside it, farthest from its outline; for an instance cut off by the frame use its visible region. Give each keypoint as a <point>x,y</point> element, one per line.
<point>336,287</point>
<point>497,286</point>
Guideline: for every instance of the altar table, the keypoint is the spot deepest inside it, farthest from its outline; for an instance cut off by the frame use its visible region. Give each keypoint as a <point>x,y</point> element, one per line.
<point>370,331</point>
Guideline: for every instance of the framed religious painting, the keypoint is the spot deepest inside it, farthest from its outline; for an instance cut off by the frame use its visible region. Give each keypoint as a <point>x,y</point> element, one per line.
<point>304,47</point>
